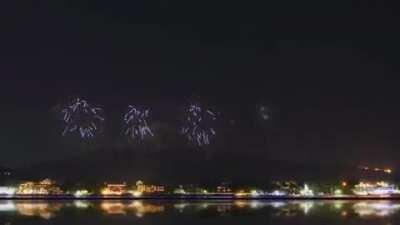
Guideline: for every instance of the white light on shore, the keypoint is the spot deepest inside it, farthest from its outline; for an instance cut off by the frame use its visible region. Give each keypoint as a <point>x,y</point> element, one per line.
<point>306,191</point>
<point>81,193</point>
<point>9,191</point>
<point>137,193</point>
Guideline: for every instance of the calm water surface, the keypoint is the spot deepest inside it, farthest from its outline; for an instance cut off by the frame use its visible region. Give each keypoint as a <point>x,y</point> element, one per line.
<point>199,213</point>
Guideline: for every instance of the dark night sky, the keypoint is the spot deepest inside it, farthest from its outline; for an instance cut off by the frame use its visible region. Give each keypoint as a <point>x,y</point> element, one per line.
<point>330,68</point>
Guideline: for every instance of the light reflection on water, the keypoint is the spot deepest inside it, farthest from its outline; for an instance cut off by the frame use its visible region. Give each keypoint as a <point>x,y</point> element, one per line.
<point>377,208</point>
<point>42,209</point>
<point>47,210</point>
<point>138,208</point>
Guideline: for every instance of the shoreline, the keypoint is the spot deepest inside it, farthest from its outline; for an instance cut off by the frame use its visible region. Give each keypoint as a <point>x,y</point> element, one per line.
<point>203,198</point>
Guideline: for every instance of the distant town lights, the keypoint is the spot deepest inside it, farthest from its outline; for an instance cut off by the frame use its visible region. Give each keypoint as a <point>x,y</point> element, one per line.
<point>137,193</point>
<point>254,193</point>
<point>81,193</point>
<point>306,191</point>
<point>378,189</point>
<point>241,193</point>
<point>377,169</point>
<point>278,193</point>
<point>9,191</point>
<point>388,171</point>
<point>338,192</point>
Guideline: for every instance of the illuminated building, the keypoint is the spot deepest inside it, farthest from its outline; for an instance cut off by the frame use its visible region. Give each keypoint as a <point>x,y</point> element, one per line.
<point>278,193</point>
<point>7,191</point>
<point>388,171</point>
<point>44,187</point>
<point>147,188</point>
<point>338,192</point>
<point>114,189</point>
<point>241,193</point>
<point>377,189</point>
<point>256,193</point>
<point>376,169</point>
<point>180,190</point>
<point>379,209</point>
<point>81,193</point>
<point>224,189</point>
<point>252,193</point>
<point>306,191</point>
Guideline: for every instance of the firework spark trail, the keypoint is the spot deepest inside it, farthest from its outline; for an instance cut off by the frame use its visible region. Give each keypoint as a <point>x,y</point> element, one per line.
<point>137,123</point>
<point>81,117</point>
<point>198,125</point>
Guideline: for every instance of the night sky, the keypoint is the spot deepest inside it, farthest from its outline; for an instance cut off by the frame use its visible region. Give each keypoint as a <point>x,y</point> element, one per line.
<point>327,70</point>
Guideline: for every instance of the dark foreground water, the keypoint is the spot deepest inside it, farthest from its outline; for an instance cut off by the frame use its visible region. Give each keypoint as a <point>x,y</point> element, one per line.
<point>199,213</point>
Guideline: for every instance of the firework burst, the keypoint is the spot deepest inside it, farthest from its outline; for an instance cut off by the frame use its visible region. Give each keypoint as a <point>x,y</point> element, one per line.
<point>81,118</point>
<point>198,125</point>
<point>137,123</point>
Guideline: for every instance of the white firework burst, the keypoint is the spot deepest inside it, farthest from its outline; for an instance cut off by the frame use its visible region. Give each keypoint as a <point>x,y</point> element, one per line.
<point>198,125</point>
<point>137,123</point>
<point>81,118</point>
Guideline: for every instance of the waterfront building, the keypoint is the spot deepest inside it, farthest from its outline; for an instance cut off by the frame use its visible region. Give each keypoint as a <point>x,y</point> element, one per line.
<point>81,193</point>
<point>114,189</point>
<point>278,193</point>
<point>149,188</point>
<point>223,189</point>
<point>7,191</point>
<point>44,187</point>
<point>375,189</point>
<point>306,191</point>
<point>180,190</point>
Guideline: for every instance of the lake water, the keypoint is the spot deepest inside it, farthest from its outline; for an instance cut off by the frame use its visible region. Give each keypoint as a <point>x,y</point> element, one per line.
<point>199,213</point>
